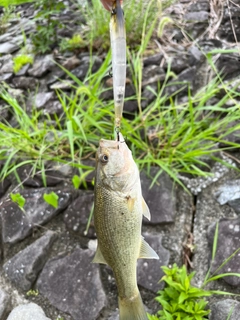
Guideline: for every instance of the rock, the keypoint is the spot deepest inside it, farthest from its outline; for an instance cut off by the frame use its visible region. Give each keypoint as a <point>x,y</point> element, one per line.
<point>228,243</point>
<point>73,285</point>
<point>23,70</point>
<point>4,185</point>
<point>71,63</point>
<point>63,85</point>
<point>222,309</point>
<point>5,302</point>
<point>199,16</point>
<point>53,108</point>
<point>229,193</point>
<point>153,60</point>
<point>26,83</point>
<point>8,47</point>
<point>17,224</point>
<point>30,311</point>
<point>7,64</point>
<point>42,65</point>
<point>152,74</point>
<point>6,77</point>
<point>23,268</point>
<point>39,100</point>
<point>77,214</point>
<point>81,71</point>
<point>161,198</point>
<point>149,270</point>
<point>207,212</point>
<point>54,75</point>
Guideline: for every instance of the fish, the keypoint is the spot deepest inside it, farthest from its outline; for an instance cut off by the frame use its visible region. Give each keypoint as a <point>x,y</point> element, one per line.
<point>118,210</point>
<point>118,45</point>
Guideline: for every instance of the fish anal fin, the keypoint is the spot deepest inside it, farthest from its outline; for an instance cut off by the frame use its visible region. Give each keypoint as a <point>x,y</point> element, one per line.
<point>99,258</point>
<point>146,252</point>
<point>146,211</point>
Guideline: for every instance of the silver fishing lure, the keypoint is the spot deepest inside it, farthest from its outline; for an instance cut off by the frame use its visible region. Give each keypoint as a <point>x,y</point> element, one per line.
<point>118,44</point>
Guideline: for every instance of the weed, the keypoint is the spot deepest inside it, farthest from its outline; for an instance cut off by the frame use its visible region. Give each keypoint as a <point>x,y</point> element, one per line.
<point>18,199</point>
<point>180,300</point>
<point>47,25</point>
<point>32,293</point>
<point>97,22</point>
<point>178,138</point>
<point>73,44</point>
<point>20,61</point>
<point>51,198</point>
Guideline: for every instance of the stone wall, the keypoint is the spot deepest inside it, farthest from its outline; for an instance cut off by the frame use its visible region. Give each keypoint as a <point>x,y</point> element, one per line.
<point>47,250</point>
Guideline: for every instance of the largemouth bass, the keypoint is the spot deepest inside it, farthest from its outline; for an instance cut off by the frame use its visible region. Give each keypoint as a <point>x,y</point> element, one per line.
<point>118,210</point>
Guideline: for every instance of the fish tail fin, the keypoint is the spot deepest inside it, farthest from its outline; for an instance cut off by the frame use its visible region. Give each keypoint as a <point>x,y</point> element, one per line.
<point>132,309</point>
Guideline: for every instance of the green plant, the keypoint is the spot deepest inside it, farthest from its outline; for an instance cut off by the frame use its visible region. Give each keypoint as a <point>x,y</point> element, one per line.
<point>47,25</point>
<point>32,292</point>
<point>18,199</point>
<point>51,198</point>
<point>97,21</point>
<point>180,300</point>
<point>20,61</point>
<point>8,13</point>
<point>73,44</point>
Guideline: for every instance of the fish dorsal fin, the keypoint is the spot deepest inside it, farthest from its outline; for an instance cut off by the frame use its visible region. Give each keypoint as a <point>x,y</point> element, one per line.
<point>98,258</point>
<point>146,211</point>
<point>146,252</point>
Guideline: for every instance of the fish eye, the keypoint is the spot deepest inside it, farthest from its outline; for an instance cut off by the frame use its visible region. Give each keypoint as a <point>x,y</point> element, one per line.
<point>103,158</point>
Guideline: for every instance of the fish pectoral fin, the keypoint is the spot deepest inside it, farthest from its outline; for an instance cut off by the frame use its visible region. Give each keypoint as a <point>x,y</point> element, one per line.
<point>99,258</point>
<point>146,252</point>
<point>146,211</point>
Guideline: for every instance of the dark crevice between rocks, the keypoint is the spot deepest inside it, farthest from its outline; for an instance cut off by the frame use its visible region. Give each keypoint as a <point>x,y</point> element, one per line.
<point>188,247</point>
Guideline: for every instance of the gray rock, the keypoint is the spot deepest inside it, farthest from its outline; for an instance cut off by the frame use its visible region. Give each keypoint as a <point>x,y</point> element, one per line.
<point>153,60</point>
<point>7,64</point>
<point>4,185</point>
<point>23,70</point>
<point>40,99</point>
<point>54,76</point>
<point>62,85</point>
<point>149,270</point>
<point>73,285</point>
<point>197,16</point>
<point>208,211</point>
<point>229,193</point>
<point>42,65</point>
<point>228,243</point>
<point>53,108</point>
<point>77,214</point>
<point>222,309</point>
<point>26,83</point>
<point>23,268</point>
<point>30,311</point>
<point>5,302</point>
<point>8,47</point>
<point>17,224</point>
<point>161,198</point>
<point>6,76</point>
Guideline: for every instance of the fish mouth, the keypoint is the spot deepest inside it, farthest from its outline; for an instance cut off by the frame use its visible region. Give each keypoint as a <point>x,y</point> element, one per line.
<point>112,144</point>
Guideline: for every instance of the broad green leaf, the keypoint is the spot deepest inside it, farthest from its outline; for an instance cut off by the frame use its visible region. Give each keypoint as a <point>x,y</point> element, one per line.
<point>51,198</point>
<point>18,199</point>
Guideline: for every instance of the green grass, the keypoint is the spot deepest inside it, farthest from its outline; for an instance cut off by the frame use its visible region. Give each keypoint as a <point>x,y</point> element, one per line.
<point>184,135</point>
<point>97,21</point>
